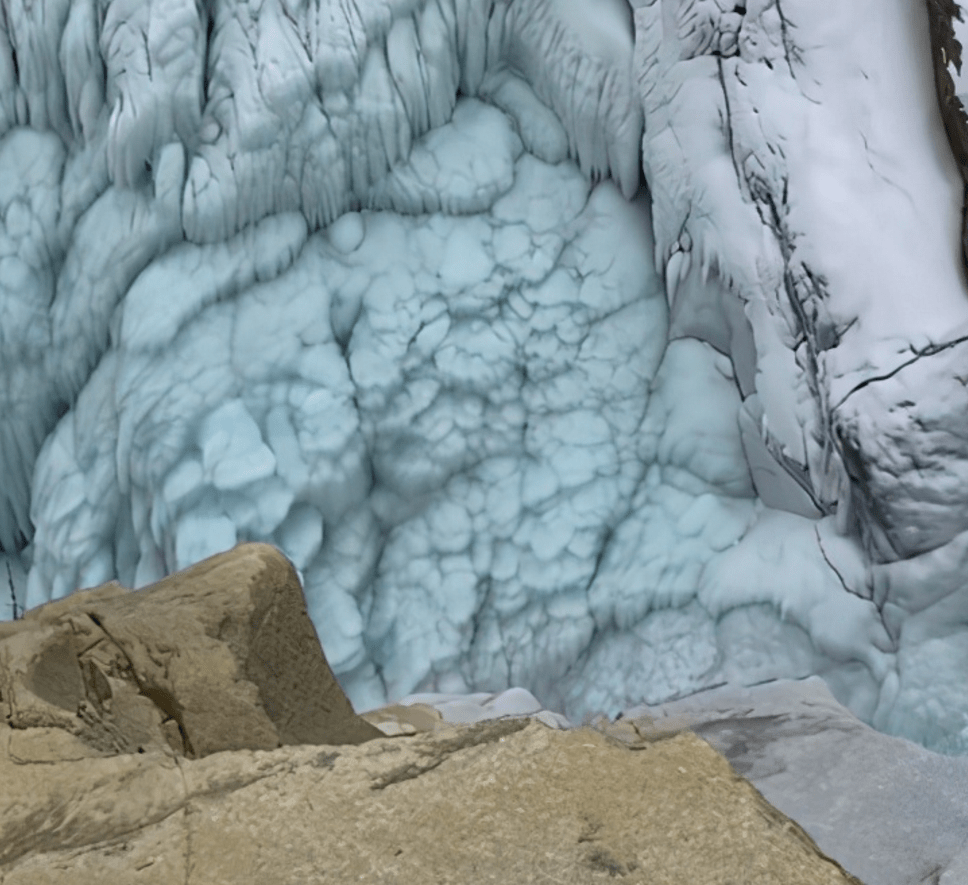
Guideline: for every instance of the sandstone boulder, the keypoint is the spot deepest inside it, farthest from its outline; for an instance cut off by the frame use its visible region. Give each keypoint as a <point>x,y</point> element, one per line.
<point>507,801</point>
<point>221,656</point>
<point>193,733</point>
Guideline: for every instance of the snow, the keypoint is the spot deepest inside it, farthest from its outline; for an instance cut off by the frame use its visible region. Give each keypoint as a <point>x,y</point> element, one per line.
<point>379,284</point>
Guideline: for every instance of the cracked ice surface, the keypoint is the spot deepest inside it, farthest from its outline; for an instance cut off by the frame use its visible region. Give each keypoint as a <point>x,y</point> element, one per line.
<point>377,283</point>
<point>822,192</point>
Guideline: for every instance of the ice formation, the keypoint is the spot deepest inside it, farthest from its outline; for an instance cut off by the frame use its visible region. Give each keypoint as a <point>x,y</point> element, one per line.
<point>383,283</point>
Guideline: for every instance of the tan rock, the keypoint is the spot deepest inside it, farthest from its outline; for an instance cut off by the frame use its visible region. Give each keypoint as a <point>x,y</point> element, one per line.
<point>220,656</point>
<point>120,762</point>
<point>501,801</point>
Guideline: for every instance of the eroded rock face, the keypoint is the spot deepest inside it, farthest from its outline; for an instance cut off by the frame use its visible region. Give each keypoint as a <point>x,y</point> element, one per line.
<point>495,801</point>
<point>220,656</point>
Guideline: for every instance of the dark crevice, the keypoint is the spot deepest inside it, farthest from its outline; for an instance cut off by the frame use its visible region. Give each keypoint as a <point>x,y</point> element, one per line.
<point>607,535</point>
<point>789,47</point>
<point>945,49</point>
<point>18,610</point>
<point>487,732</point>
<point>728,122</point>
<point>144,40</point>
<point>930,350</point>
<point>206,58</point>
<point>487,585</point>
<point>169,705</point>
<point>833,568</point>
<point>162,699</point>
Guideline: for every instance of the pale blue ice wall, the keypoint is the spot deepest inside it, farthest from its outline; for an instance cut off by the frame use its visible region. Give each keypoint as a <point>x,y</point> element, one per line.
<point>380,284</point>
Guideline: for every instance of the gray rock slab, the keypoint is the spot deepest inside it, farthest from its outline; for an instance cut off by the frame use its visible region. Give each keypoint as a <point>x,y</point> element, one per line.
<point>890,811</point>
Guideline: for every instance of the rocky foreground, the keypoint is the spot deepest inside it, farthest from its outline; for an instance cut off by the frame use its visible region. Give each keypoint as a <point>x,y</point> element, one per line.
<point>192,732</point>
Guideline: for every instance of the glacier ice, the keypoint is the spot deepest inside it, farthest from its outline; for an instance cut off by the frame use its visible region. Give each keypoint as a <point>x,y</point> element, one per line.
<point>609,350</point>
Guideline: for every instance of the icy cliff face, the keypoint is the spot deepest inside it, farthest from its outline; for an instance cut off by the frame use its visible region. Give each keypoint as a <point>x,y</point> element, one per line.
<point>798,144</point>
<point>380,283</point>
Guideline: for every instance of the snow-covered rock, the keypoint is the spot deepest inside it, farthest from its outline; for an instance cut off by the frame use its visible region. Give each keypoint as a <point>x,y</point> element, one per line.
<point>380,283</point>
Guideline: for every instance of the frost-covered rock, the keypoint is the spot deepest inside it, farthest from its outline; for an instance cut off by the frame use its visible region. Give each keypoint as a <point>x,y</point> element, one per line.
<point>379,283</point>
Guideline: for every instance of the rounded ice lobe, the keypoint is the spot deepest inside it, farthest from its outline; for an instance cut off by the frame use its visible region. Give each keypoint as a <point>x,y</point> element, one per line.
<point>347,232</point>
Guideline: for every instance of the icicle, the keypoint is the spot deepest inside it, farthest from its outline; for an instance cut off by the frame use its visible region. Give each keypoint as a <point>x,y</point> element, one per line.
<point>402,50</point>
<point>83,70</point>
<point>674,275</point>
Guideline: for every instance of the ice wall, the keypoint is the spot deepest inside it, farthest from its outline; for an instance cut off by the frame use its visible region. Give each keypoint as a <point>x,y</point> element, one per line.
<point>379,283</point>
<point>823,203</point>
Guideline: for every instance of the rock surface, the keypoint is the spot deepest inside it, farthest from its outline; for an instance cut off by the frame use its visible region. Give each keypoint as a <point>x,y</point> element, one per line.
<point>220,656</point>
<point>888,810</point>
<point>507,801</point>
<point>192,732</point>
